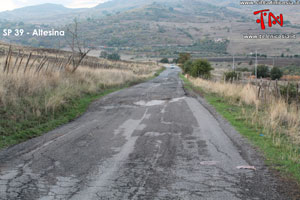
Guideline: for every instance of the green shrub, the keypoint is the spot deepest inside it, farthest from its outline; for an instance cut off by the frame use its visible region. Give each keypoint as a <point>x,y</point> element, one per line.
<point>230,76</point>
<point>187,66</point>
<point>164,60</point>
<point>201,68</point>
<point>251,62</point>
<point>113,56</point>
<point>183,57</point>
<point>276,73</point>
<point>289,91</point>
<point>262,71</point>
<point>103,54</point>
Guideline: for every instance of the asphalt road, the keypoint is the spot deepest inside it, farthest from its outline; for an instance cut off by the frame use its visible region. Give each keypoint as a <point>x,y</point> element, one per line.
<point>150,141</point>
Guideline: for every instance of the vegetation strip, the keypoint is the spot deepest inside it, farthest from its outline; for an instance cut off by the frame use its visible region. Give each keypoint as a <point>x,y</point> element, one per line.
<point>281,157</point>
<point>36,126</point>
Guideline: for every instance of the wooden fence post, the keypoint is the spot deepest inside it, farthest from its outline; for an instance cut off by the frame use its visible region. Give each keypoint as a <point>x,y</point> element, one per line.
<point>268,91</point>
<point>287,92</point>
<point>7,60</point>
<point>27,62</point>
<point>259,89</point>
<point>297,93</point>
<point>16,62</point>
<point>32,64</point>
<point>20,63</point>
<point>278,89</point>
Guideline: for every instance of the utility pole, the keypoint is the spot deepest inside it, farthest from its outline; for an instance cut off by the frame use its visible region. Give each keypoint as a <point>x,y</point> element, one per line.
<point>256,64</point>
<point>233,51</point>
<point>233,63</point>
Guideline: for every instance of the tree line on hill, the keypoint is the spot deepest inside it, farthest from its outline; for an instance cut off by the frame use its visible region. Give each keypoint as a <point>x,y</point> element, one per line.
<point>263,71</point>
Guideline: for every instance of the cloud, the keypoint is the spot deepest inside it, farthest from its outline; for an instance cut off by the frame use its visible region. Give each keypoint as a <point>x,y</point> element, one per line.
<point>7,5</point>
<point>13,4</point>
<point>84,3</point>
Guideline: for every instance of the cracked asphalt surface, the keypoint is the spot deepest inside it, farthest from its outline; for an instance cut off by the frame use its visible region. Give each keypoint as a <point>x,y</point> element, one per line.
<point>150,141</point>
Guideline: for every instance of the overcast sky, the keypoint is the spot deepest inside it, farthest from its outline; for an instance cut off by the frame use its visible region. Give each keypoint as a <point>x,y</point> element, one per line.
<point>12,4</point>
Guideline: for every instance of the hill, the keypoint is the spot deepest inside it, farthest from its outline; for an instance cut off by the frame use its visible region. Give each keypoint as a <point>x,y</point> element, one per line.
<point>159,28</point>
<point>50,13</point>
<point>156,28</point>
<point>41,14</point>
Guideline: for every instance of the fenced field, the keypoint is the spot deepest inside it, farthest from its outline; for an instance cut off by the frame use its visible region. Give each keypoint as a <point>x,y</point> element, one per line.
<point>276,106</point>
<point>36,84</point>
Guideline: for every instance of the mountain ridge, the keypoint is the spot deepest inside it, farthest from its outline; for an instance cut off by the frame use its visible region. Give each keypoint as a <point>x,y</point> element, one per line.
<point>39,14</point>
<point>48,13</point>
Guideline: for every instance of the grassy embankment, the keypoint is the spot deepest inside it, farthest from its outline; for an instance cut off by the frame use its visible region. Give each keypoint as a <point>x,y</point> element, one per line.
<point>273,127</point>
<point>32,103</point>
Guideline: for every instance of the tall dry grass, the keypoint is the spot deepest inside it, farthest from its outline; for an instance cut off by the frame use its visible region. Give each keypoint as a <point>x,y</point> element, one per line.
<point>274,114</point>
<point>38,92</point>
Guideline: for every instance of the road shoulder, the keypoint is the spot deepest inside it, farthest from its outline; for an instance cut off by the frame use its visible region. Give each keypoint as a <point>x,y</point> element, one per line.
<point>265,178</point>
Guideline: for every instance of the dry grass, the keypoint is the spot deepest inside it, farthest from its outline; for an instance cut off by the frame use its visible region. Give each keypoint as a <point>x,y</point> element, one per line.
<point>35,94</point>
<point>234,92</point>
<point>275,115</point>
<point>53,89</point>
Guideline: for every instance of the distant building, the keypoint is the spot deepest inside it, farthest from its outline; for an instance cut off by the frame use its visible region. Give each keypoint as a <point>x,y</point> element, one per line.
<point>219,40</point>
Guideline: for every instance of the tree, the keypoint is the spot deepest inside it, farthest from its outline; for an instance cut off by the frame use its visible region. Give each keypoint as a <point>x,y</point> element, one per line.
<point>164,60</point>
<point>276,73</point>
<point>77,45</point>
<point>262,71</point>
<point>251,62</point>
<point>230,76</point>
<point>183,57</point>
<point>201,68</point>
<point>103,54</point>
<point>187,66</point>
<point>113,56</point>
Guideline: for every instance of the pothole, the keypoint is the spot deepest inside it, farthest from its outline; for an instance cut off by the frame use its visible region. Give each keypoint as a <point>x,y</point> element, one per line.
<point>150,103</point>
<point>208,163</point>
<point>158,102</point>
